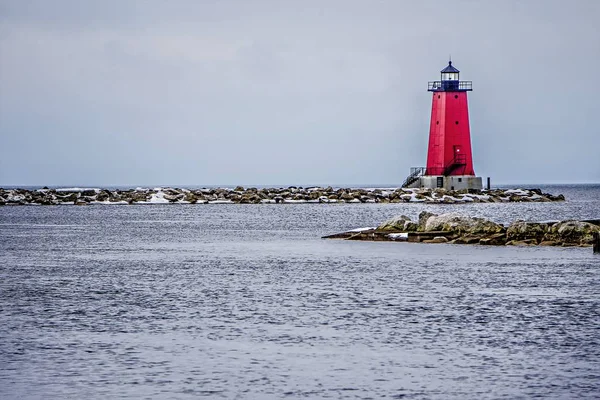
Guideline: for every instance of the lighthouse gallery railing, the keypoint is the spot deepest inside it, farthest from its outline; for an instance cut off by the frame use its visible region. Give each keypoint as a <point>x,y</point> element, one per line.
<point>450,86</point>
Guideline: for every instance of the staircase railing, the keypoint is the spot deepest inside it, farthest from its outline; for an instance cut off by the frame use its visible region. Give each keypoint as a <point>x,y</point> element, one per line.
<point>415,173</point>
<point>459,160</point>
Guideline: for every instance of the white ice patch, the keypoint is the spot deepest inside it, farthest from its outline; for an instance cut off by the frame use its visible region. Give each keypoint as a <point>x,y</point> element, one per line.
<point>362,229</point>
<point>121,202</point>
<point>398,236</point>
<point>158,198</point>
<point>77,189</point>
<point>518,192</point>
<point>15,197</point>
<point>325,199</point>
<point>222,201</point>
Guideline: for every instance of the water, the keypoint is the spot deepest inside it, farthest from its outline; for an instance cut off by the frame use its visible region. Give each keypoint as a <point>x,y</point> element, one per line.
<point>246,301</point>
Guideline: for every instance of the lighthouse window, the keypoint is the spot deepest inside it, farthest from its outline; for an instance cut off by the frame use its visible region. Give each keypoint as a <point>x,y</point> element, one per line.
<point>460,179</point>
<point>438,96</point>
<point>456,122</point>
<point>456,96</point>
<point>437,122</point>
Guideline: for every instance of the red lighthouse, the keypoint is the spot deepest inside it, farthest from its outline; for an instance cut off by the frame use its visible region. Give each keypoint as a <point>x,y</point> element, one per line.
<point>449,157</point>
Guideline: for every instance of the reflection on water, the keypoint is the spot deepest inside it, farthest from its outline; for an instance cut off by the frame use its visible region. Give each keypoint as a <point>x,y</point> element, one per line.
<point>235,300</point>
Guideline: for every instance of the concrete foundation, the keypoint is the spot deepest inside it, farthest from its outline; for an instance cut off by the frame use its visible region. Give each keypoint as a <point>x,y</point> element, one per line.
<point>454,182</point>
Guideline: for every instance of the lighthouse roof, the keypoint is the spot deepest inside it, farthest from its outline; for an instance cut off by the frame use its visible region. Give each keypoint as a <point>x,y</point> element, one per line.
<point>449,68</point>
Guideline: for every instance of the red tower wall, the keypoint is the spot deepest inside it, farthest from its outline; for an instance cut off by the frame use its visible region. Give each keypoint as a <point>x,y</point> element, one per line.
<point>449,134</point>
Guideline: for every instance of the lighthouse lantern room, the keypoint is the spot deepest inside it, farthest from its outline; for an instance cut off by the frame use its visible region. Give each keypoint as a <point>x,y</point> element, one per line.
<point>449,156</point>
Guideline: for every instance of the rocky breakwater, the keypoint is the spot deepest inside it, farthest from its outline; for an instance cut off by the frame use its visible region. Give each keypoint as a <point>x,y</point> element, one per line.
<point>240,195</point>
<point>459,229</point>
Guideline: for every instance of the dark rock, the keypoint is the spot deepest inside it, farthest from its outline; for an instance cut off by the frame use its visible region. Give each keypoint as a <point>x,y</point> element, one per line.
<point>437,239</point>
<point>398,223</point>
<point>423,217</point>
<point>572,232</point>
<point>522,230</point>
<point>469,239</point>
<point>498,239</point>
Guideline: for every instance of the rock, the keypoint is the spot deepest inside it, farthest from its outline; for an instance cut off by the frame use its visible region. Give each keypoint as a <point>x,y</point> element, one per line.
<point>469,239</point>
<point>439,239</point>
<point>453,222</point>
<point>88,193</point>
<point>549,243</point>
<point>526,242</point>
<point>522,230</point>
<point>572,232</point>
<point>190,197</point>
<point>238,189</point>
<point>423,217</point>
<point>397,223</point>
<point>498,239</point>
<point>410,226</point>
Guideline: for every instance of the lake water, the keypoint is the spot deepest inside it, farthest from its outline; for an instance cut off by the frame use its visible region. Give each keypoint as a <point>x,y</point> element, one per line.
<point>246,301</point>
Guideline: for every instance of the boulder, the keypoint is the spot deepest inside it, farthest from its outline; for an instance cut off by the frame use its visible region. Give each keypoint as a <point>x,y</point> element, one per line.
<point>522,230</point>
<point>397,223</point>
<point>469,239</point>
<point>423,217</point>
<point>498,239</point>
<point>461,224</point>
<point>525,242</point>
<point>575,233</point>
<point>549,243</point>
<point>438,239</point>
<point>88,193</point>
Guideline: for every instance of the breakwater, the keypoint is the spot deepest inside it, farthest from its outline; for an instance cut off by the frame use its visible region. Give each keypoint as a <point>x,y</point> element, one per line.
<point>455,228</point>
<point>241,195</point>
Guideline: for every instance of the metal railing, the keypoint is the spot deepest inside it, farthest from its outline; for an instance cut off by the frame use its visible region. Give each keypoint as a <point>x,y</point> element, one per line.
<point>450,86</point>
<point>460,160</point>
<point>415,173</point>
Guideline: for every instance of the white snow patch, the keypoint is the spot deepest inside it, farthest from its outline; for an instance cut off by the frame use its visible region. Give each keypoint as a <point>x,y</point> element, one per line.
<point>398,236</point>
<point>518,192</point>
<point>77,189</point>
<point>222,201</point>
<point>158,198</point>
<point>362,229</point>
<point>15,197</point>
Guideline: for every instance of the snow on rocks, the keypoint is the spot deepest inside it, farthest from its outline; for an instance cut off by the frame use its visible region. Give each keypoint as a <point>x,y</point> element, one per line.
<point>289,195</point>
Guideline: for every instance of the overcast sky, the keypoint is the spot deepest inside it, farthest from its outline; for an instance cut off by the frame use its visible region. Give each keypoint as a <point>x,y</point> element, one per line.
<point>291,92</point>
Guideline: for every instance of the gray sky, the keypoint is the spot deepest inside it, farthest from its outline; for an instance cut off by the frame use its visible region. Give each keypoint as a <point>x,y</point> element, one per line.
<point>291,92</point>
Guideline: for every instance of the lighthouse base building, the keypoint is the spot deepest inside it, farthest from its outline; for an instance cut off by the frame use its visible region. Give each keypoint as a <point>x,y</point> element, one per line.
<point>449,156</point>
<point>450,182</point>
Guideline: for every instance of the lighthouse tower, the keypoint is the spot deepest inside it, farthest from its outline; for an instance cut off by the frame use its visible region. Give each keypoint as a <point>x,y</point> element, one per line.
<point>449,157</point>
